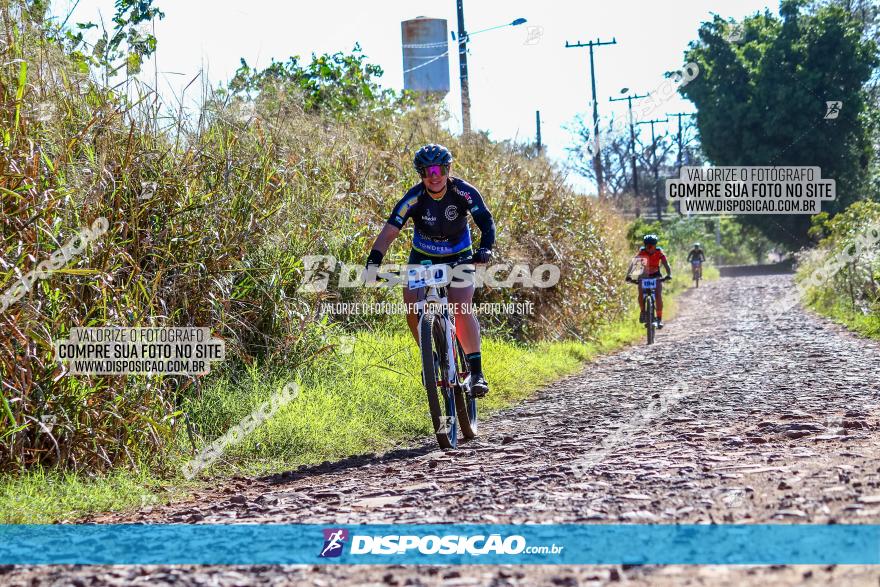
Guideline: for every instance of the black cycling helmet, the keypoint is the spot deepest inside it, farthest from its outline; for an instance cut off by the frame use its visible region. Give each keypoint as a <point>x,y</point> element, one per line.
<point>650,239</point>
<point>431,155</point>
<point>696,245</point>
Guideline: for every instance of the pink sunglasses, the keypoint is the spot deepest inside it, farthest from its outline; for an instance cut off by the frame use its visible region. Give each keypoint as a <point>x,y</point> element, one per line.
<point>433,170</point>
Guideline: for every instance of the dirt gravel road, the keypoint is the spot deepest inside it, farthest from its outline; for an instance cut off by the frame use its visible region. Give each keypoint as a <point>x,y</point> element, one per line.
<point>730,417</point>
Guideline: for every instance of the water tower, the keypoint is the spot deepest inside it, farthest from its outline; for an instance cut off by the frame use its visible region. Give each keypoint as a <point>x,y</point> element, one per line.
<point>425,55</point>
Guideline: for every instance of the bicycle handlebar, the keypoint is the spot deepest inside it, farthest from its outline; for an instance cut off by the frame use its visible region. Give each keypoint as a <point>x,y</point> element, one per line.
<point>636,281</point>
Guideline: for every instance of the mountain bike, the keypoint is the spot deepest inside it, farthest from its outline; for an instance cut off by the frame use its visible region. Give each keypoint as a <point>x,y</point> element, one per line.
<point>445,370</point>
<point>697,271</point>
<point>649,288</point>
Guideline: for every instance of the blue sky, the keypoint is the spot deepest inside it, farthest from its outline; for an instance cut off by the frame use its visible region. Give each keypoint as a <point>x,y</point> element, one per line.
<point>510,78</point>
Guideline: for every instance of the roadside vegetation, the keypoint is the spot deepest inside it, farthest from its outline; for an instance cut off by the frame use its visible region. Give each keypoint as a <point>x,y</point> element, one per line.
<point>366,399</point>
<point>841,275</point>
<point>761,99</point>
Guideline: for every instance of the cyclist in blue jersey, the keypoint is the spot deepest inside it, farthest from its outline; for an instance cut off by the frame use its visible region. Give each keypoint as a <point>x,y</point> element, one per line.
<point>439,206</point>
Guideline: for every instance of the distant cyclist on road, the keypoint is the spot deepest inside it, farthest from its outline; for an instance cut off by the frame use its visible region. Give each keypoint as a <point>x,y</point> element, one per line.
<point>650,257</point>
<point>696,258</point>
<point>439,206</point>
<point>696,254</point>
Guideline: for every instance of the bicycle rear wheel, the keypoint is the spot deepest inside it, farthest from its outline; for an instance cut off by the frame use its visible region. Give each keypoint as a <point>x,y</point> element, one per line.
<point>465,402</point>
<point>441,398</point>
<point>649,318</point>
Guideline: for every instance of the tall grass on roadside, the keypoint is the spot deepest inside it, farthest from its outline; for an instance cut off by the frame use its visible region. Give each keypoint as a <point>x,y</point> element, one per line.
<point>264,175</point>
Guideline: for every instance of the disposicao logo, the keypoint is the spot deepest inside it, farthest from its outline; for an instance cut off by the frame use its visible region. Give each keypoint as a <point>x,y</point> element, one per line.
<point>334,542</point>
<point>472,545</point>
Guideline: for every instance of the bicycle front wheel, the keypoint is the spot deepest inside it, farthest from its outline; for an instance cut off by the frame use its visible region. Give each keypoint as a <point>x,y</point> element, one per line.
<point>650,319</point>
<point>435,361</point>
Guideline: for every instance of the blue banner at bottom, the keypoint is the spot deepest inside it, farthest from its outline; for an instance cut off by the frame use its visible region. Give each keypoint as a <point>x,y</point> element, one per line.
<point>443,544</point>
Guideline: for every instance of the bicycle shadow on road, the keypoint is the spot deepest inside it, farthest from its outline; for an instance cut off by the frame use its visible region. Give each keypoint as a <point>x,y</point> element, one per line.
<point>352,462</point>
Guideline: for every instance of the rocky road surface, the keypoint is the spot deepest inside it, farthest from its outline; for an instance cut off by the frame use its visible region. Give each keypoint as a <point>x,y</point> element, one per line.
<point>730,417</point>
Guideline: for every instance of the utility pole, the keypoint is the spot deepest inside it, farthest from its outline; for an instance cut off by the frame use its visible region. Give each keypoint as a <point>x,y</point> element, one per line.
<point>678,158</point>
<point>463,39</point>
<point>632,136</point>
<point>655,165</point>
<point>538,129</point>
<point>597,155</point>
<point>463,72</point>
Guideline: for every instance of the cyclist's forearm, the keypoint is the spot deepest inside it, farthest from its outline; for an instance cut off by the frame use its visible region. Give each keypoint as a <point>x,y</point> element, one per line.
<point>385,238</point>
<point>486,224</point>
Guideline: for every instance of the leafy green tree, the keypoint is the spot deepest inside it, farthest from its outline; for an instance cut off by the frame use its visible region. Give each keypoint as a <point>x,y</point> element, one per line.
<point>337,84</point>
<point>762,92</point>
<point>124,47</point>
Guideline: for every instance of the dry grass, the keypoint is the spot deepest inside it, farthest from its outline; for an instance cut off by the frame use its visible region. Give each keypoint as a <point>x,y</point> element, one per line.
<point>242,194</point>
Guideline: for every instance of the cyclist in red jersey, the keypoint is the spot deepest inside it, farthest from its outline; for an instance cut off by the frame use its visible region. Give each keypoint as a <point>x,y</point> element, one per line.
<point>650,257</point>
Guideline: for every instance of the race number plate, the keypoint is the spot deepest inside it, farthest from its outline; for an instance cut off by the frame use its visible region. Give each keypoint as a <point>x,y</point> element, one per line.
<point>427,275</point>
<point>649,283</point>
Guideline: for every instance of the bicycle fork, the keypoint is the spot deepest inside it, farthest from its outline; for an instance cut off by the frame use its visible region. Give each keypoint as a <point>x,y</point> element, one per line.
<point>451,368</point>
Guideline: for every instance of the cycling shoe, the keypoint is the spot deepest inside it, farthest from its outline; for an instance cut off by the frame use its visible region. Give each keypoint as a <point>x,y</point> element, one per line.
<point>479,385</point>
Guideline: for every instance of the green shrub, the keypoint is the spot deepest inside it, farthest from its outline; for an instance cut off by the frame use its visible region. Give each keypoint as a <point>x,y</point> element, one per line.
<point>849,254</point>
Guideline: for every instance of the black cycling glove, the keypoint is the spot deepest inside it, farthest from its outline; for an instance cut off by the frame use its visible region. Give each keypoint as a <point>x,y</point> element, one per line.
<point>373,261</point>
<point>482,255</point>
<point>375,258</point>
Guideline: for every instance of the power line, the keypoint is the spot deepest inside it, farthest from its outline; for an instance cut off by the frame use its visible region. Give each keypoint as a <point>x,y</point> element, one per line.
<point>678,159</point>
<point>632,137</point>
<point>463,71</point>
<point>655,165</point>
<point>597,155</point>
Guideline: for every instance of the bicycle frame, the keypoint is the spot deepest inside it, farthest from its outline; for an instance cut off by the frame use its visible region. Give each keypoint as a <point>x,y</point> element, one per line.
<point>648,293</point>
<point>449,397</point>
<point>433,299</point>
